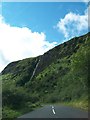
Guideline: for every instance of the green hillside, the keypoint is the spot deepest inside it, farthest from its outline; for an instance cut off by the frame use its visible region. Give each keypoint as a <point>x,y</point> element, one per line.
<point>58,76</point>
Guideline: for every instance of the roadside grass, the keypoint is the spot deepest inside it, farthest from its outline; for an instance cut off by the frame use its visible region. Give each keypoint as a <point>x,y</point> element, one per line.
<point>10,113</point>
<point>78,104</point>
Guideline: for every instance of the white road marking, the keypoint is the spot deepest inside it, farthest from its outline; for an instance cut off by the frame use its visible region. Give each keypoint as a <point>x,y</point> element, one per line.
<point>53,110</point>
<point>52,107</point>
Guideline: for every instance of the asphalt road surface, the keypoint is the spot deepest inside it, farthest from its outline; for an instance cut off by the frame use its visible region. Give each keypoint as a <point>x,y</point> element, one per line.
<point>56,111</point>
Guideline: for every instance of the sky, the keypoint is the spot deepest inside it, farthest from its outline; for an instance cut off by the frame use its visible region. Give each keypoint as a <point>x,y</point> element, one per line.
<point>29,29</point>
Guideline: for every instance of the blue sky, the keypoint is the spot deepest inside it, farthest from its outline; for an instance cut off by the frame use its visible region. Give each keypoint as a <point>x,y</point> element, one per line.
<point>32,28</point>
<point>40,17</point>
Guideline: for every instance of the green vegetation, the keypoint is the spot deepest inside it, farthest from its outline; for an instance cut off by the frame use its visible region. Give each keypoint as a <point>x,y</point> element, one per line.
<point>61,77</point>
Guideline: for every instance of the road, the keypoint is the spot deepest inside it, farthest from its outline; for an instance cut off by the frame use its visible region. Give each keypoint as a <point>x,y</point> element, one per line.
<point>56,111</point>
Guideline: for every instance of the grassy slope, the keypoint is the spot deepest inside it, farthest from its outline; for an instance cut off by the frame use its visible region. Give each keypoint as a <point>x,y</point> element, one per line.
<point>61,77</point>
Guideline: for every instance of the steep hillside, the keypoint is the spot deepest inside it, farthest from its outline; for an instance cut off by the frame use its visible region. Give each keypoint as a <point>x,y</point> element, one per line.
<point>60,75</point>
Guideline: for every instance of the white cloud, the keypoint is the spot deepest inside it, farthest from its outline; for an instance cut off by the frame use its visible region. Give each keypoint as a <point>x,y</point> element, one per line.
<point>18,43</point>
<point>89,16</point>
<point>73,24</point>
<point>85,1</point>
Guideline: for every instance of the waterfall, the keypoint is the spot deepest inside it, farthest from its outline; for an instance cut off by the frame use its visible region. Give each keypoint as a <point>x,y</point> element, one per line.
<point>35,70</point>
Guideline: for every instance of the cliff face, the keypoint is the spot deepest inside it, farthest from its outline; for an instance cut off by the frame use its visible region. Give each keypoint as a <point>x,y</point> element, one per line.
<point>60,75</point>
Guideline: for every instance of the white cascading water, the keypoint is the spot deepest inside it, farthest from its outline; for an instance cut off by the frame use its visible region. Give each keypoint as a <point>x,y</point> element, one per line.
<point>35,70</point>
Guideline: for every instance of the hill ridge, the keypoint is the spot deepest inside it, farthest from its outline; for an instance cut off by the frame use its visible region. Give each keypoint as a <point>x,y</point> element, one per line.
<point>56,47</point>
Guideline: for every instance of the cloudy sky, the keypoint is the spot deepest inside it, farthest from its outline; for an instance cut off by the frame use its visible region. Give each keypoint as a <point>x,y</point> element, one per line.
<point>30,29</point>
